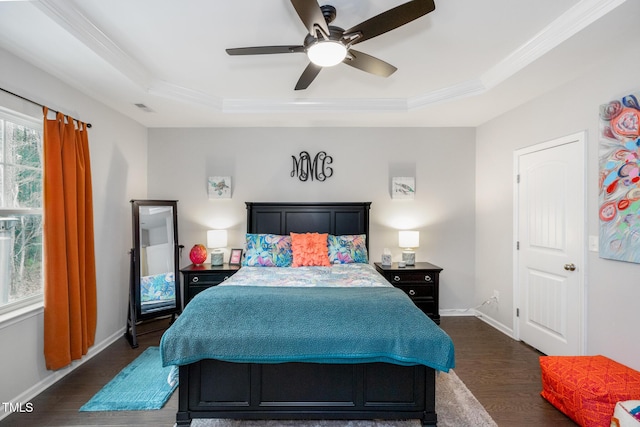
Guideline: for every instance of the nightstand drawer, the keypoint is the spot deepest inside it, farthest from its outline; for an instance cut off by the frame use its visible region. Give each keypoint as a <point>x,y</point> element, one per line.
<point>412,276</point>
<point>197,278</point>
<point>418,291</point>
<point>419,281</point>
<point>208,278</point>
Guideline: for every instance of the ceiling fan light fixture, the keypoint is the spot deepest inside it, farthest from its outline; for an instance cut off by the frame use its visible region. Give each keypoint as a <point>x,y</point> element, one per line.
<point>327,45</point>
<point>327,53</point>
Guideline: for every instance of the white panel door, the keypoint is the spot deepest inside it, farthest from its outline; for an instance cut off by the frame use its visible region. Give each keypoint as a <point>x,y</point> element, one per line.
<point>550,235</point>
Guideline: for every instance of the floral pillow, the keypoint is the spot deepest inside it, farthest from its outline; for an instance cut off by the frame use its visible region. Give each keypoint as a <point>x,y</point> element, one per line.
<point>309,249</point>
<point>268,250</point>
<point>348,249</point>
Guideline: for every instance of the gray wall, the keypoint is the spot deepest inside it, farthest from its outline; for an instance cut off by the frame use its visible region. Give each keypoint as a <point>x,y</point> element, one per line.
<point>612,287</point>
<point>118,154</point>
<point>364,160</point>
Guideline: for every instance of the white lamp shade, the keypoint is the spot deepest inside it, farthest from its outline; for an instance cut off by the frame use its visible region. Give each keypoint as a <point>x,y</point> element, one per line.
<point>409,239</point>
<point>216,238</point>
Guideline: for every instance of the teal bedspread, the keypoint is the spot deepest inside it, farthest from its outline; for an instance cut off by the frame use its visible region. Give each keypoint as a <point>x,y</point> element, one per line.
<point>256,324</point>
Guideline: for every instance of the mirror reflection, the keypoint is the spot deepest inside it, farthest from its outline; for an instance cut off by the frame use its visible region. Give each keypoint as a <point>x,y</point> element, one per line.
<point>157,259</point>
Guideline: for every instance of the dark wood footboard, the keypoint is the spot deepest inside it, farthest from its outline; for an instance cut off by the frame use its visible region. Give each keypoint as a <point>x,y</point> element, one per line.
<point>215,389</point>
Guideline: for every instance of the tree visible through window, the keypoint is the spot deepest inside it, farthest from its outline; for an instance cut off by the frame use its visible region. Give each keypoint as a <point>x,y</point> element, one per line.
<point>20,209</point>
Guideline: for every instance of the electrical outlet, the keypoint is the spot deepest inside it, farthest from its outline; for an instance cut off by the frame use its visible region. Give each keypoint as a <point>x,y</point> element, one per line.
<point>496,295</point>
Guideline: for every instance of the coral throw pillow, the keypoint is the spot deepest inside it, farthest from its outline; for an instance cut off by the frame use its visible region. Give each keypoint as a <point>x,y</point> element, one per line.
<point>309,249</point>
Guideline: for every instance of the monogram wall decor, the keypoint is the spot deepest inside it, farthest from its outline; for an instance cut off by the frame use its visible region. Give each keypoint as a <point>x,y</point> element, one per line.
<point>314,169</point>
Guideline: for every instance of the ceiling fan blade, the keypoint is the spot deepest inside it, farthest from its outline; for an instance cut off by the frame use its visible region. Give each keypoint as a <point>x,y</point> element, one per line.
<point>391,19</point>
<point>311,15</point>
<point>264,50</point>
<point>368,63</point>
<point>308,75</point>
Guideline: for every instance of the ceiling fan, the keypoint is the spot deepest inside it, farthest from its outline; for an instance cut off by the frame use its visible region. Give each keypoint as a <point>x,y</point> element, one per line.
<point>327,45</point>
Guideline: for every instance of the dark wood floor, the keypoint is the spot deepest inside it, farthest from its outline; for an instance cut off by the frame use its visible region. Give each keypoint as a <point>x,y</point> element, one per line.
<point>503,374</point>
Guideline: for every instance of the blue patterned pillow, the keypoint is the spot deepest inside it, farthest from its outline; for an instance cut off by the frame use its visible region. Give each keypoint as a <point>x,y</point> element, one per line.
<point>268,250</point>
<point>348,249</point>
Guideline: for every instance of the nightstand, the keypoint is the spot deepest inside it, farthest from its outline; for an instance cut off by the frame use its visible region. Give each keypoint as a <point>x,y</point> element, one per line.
<point>419,281</point>
<point>197,278</point>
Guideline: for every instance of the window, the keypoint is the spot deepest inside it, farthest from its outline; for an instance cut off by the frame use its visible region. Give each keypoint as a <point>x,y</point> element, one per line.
<point>21,274</point>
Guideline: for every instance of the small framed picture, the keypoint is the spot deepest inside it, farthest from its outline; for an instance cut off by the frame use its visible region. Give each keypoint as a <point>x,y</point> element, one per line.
<point>236,257</point>
<point>219,187</point>
<point>403,187</point>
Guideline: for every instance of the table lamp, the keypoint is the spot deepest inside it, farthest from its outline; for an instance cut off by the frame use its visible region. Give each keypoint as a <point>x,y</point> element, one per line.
<point>409,240</point>
<point>216,240</point>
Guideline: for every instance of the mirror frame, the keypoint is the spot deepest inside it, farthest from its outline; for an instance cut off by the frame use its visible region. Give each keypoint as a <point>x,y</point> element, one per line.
<point>136,253</point>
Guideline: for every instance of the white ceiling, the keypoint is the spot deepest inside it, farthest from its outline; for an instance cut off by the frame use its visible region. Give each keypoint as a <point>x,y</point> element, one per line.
<point>461,65</point>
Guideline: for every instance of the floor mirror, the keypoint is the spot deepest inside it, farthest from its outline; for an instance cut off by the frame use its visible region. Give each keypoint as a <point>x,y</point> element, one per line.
<point>154,281</point>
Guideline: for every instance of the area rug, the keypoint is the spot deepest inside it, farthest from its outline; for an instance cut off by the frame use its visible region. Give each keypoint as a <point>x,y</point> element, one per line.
<point>141,385</point>
<point>455,406</point>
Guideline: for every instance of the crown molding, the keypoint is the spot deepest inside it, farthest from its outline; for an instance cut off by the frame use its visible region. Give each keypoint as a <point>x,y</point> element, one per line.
<point>311,105</point>
<point>458,91</point>
<point>566,25</point>
<point>72,19</point>
<point>180,93</point>
<point>581,15</point>
<point>577,18</point>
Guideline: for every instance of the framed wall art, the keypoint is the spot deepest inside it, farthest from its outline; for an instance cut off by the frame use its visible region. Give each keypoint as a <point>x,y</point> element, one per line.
<point>403,187</point>
<point>219,187</point>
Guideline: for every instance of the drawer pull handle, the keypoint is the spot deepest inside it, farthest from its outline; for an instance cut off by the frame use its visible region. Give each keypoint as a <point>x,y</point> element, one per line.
<point>412,292</point>
<point>225,278</point>
<point>427,278</point>
<point>195,279</point>
<point>396,278</point>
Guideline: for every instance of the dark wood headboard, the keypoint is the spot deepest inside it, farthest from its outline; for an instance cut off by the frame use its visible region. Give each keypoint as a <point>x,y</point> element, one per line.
<point>333,218</point>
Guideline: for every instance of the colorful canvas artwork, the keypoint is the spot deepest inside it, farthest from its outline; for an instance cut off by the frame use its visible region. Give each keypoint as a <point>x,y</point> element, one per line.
<point>619,200</point>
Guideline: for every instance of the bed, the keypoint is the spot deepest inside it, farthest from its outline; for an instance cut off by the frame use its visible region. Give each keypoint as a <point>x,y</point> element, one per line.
<point>329,371</point>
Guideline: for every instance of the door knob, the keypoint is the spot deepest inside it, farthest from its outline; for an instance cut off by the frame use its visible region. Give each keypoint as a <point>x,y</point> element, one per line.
<point>570,267</point>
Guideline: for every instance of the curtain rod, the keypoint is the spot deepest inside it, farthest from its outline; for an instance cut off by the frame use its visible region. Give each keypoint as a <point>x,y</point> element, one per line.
<point>33,102</point>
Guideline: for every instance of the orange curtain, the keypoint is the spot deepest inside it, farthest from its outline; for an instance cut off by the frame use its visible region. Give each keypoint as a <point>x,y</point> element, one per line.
<point>69,253</point>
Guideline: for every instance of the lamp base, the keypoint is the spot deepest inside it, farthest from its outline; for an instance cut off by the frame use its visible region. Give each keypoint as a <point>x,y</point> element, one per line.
<point>409,257</point>
<point>217,258</point>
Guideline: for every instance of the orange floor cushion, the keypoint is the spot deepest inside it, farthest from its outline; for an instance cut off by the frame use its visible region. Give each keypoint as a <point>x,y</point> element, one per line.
<point>587,388</point>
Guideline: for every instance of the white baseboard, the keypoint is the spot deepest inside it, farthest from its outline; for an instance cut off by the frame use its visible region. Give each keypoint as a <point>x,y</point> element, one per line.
<point>480,315</point>
<point>452,312</point>
<point>56,376</point>
<point>493,322</point>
